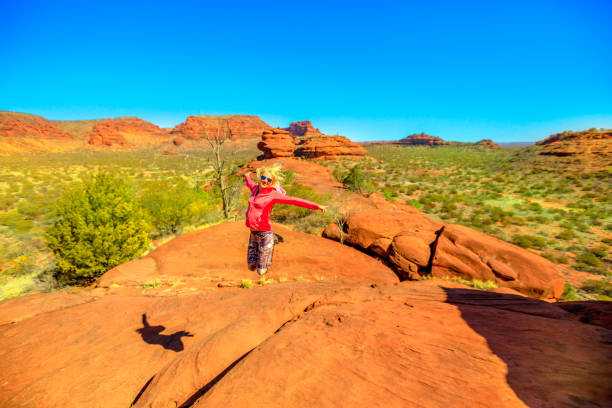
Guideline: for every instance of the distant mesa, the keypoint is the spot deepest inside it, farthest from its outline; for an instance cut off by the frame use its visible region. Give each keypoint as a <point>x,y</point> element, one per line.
<point>203,126</point>
<point>487,144</point>
<point>303,128</point>
<point>422,139</point>
<point>416,139</point>
<point>588,142</point>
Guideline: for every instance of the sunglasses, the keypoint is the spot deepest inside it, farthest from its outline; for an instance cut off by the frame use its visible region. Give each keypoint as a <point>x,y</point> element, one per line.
<point>266,178</point>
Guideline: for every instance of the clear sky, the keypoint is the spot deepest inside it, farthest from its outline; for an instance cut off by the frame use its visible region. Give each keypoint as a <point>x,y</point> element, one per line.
<point>378,70</point>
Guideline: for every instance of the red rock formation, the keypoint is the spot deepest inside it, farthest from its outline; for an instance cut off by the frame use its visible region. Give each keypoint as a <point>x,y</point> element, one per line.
<point>418,245</point>
<point>284,344</point>
<point>303,128</point>
<point>589,142</point>
<point>276,143</point>
<point>104,133</point>
<point>328,147</point>
<point>138,126</point>
<point>422,139</point>
<point>487,144</point>
<point>299,255</point>
<point>22,125</point>
<point>177,141</point>
<point>240,126</point>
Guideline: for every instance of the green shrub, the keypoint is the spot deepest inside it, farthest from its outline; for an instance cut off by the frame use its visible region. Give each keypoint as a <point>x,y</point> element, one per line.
<point>601,251</point>
<point>600,287</point>
<point>173,204</point>
<point>529,241</point>
<point>569,293</point>
<point>246,284</point>
<point>566,234</point>
<point>357,181</point>
<point>99,226</point>
<point>588,258</point>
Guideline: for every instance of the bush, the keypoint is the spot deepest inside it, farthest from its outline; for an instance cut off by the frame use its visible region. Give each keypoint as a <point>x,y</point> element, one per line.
<point>173,204</point>
<point>357,181</point>
<point>569,293</point>
<point>99,226</point>
<point>600,287</point>
<point>529,241</point>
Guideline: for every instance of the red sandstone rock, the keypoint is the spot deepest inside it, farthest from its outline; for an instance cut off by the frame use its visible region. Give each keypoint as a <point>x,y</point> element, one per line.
<point>487,144</point>
<point>303,128</point>
<point>104,133</point>
<point>239,126</point>
<point>328,147</point>
<point>177,141</point>
<point>22,125</point>
<point>284,344</point>
<point>276,143</point>
<point>422,139</point>
<point>137,126</point>
<point>591,142</point>
<point>300,255</point>
<point>418,245</point>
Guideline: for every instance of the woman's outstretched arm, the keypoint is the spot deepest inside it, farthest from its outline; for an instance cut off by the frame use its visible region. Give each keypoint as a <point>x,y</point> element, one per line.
<point>252,186</point>
<point>300,202</point>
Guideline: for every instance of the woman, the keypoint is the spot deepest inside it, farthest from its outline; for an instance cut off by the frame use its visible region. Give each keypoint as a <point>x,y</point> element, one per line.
<point>263,197</point>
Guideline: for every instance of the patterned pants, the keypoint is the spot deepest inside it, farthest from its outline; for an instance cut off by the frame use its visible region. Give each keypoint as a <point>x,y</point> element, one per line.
<point>259,254</point>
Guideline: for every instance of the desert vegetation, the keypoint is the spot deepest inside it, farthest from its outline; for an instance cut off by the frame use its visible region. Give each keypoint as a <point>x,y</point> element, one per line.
<point>560,211</point>
<point>518,197</point>
<point>167,195</point>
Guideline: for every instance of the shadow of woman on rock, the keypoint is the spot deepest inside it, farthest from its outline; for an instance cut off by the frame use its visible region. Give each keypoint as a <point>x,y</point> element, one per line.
<point>552,359</point>
<point>150,334</point>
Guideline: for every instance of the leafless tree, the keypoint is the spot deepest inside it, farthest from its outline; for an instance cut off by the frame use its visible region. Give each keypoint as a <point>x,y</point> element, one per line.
<point>222,166</point>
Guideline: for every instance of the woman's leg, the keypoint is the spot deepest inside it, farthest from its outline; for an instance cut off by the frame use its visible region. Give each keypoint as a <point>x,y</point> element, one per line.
<point>252,252</point>
<point>266,248</point>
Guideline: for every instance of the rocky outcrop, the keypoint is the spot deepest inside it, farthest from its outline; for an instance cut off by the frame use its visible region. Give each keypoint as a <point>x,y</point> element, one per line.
<point>284,344</point>
<point>486,144</point>
<point>237,127</point>
<point>417,245</point>
<point>303,128</point>
<point>589,142</point>
<point>137,126</point>
<point>105,133</point>
<point>422,139</point>
<point>300,255</point>
<point>328,147</point>
<point>21,125</point>
<point>276,143</point>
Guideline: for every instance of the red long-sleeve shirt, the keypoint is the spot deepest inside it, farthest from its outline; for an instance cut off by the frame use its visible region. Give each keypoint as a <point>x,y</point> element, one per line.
<point>262,201</point>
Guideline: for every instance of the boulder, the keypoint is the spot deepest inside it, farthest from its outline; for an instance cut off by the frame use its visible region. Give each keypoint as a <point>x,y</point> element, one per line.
<point>328,147</point>
<point>276,143</point>
<point>422,246</point>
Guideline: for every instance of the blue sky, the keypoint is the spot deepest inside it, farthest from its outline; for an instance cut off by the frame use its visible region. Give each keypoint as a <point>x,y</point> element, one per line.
<point>464,71</point>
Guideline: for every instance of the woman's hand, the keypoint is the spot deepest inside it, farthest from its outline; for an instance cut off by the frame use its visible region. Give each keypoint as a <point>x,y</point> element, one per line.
<point>323,208</point>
